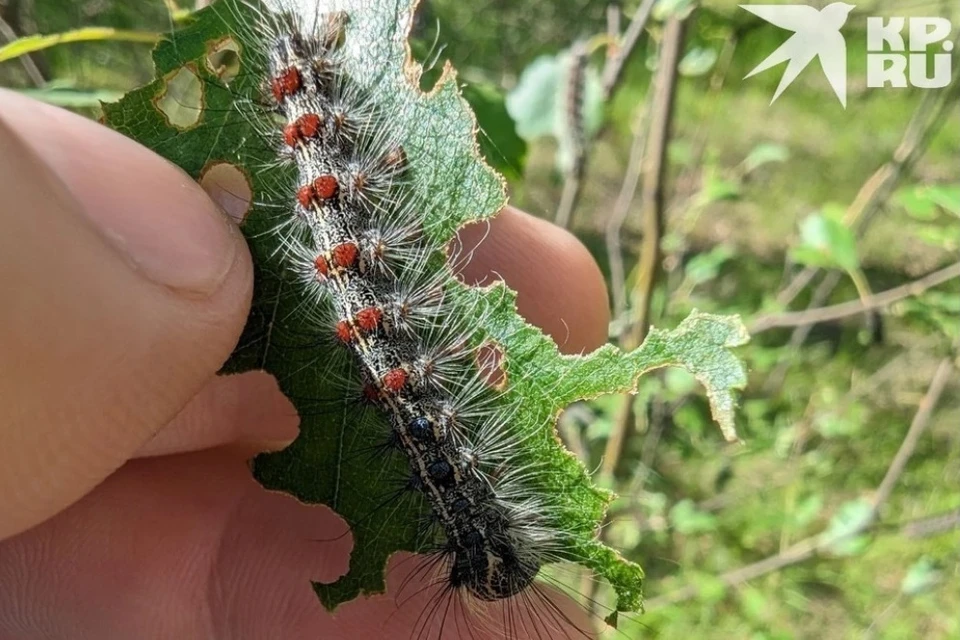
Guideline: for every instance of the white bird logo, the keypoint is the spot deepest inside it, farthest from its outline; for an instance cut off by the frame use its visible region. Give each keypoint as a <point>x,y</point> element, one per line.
<point>816,35</point>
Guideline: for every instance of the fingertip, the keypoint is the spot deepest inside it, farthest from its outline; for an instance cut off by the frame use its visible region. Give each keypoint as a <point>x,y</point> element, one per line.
<point>102,341</point>
<point>242,408</point>
<point>559,286</point>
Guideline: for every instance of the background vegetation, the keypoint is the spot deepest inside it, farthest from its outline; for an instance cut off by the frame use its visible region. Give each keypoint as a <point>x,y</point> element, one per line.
<point>838,517</point>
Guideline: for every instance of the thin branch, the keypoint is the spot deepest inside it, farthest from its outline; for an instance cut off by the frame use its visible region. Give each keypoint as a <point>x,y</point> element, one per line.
<point>772,384</point>
<point>628,189</point>
<point>655,176</point>
<point>654,186</point>
<point>613,69</point>
<point>618,54</point>
<point>874,193</point>
<point>809,547</point>
<point>932,525</point>
<point>854,307</point>
<point>917,427</point>
<point>29,65</point>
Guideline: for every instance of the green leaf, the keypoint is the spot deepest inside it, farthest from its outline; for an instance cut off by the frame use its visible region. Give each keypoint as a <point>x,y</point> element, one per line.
<point>947,197</point>
<point>688,520</point>
<point>664,9</point>
<point>29,44</point>
<point>918,205</point>
<point>499,143</point>
<point>754,603</point>
<point>532,103</point>
<point>842,536</point>
<point>72,98</point>
<point>710,588</point>
<point>706,266</point>
<point>924,202</point>
<point>329,462</point>
<point>697,62</point>
<point>716,188</point>
<point>922,576</point>
<point>826,242</point>
<point>808,509</point>
<point>765,153</point>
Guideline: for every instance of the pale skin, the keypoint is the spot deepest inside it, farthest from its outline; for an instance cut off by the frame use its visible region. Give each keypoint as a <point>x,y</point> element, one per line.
<point>126,505</point>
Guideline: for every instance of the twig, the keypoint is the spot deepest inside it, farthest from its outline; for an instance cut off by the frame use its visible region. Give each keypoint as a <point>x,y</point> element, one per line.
<point>771,385</point>
<point>621,208</point>
<point>809,547</point>
<point>613,69</point>
<point>924,123</point>
<point>654,179</point>
<point>854,307</point>
<point>618,54</point>
<point>29,65</point>
<point>932,525</point>
<point>655,176</point>
<point>917,427</point>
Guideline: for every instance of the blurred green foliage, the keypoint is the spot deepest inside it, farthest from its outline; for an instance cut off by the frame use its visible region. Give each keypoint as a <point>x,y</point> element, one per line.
<point>754,193</point>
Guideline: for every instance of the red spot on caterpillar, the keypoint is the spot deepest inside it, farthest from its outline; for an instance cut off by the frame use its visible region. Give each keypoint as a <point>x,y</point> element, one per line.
<point>344,332</point>
<point>320,264</point>
<point>306,126</point>
<point>371,393</point>
<point>291,135</point>
<point>309,125</point>
<point>326,186</point>
<point>368,319</point>
<point>345,254</point>
<point>394,380</point>
<point>286,84</point>
<point>305,195</point>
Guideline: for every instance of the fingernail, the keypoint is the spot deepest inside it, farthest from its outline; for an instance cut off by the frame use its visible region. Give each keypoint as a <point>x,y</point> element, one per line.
<point>150,210</point>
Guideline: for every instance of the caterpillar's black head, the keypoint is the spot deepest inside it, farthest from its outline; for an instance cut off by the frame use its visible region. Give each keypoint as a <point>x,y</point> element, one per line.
<point>491,570</point>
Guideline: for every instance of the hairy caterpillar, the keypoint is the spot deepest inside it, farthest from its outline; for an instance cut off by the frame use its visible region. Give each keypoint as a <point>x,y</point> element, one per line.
<point>360,181</point>
<point>364,251</point>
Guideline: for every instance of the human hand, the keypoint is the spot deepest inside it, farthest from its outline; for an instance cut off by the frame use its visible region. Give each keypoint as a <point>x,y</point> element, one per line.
<point>127,509</point>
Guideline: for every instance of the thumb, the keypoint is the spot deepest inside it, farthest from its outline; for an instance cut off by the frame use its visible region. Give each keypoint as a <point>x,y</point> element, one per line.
<point>122,291</point>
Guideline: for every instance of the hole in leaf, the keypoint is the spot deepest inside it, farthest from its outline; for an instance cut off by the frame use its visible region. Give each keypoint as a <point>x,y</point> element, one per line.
<point>223,59</point>
<point>181,102</point>
<point>490,365</point>
<point>229,187</point>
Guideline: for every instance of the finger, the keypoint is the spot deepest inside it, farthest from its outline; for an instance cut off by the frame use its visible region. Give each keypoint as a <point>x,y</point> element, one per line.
<point>419,603</point>
<point>559,285</point>
<point>247,407</point>
<point>185,546</point>
<point>212,555</point>
<point>124,289</point>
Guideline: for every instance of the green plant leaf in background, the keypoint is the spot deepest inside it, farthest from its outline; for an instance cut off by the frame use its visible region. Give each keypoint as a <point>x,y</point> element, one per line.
<point>688,520</point>
<point>842,536</point>
<point>827,243</point>
<point>765,153</point>
<point>922,576</point>
<point>697,62</point>
<point>499,143</point>
<point>329,462</point>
